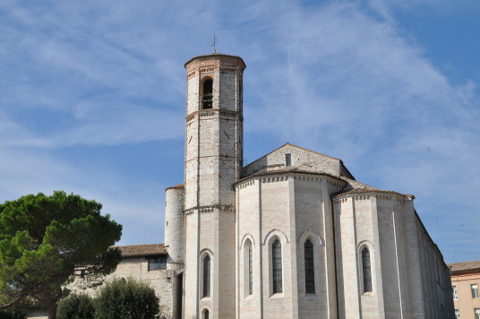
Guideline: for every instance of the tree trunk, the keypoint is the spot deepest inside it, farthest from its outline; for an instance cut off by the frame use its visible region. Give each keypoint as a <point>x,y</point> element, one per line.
<point>52,311</point>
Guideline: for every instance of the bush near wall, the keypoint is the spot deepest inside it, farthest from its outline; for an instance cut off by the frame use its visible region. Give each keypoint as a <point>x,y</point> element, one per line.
<point>127,299</point>
<point>76,307</point>
<point>118,299</point>
<point>12,315</point>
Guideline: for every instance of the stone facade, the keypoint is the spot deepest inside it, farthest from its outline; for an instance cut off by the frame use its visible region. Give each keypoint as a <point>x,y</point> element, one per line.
<point>291,235</point>
<point>135,264</point>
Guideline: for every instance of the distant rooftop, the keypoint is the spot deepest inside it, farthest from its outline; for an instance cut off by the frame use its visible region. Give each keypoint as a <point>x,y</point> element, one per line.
<point>142,250</point>
<point>466,266</point>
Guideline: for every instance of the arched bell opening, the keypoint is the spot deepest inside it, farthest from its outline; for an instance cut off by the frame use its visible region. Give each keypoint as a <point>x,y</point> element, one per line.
<point>207,91</point>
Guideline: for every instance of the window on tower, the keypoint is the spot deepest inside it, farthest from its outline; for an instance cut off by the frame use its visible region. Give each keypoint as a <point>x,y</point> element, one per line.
<point>206,276</point>
<point>207,94</point>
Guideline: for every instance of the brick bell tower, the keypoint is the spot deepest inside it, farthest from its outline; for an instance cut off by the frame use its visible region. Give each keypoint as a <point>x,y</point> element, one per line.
<point>213,162</point>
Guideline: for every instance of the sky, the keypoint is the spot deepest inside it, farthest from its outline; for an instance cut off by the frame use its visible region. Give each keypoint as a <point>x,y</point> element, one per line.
<point>92,99</point>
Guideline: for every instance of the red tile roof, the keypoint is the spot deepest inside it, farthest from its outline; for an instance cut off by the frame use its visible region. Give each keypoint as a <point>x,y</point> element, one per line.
<point>174,187</point>
<point>465,266</point>
<point>369,190</point>
<point>142,250</point>
<point>286,171</point>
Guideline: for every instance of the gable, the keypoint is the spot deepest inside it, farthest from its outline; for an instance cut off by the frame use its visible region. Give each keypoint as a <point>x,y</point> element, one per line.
<point>290,156</point>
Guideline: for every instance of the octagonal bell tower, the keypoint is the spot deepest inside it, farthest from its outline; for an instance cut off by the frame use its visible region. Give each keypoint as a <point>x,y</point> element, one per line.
<point>213,162</point>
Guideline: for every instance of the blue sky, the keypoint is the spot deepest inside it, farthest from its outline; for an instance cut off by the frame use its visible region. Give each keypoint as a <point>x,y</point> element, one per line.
<point>92,98</point>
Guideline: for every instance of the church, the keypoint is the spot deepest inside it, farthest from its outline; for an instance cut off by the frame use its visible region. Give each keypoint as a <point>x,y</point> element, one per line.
<point>291,235</point>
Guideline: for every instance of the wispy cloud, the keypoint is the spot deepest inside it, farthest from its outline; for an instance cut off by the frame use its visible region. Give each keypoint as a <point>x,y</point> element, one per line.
<point>350,85</point>
<point>339,77</point>
<point>137,205</point>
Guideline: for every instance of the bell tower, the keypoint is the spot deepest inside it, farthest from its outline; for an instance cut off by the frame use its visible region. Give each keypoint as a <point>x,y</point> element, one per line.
<point>213,162</point>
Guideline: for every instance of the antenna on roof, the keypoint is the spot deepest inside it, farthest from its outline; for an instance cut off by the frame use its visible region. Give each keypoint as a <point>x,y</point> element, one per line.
<point>453,254</point>
<point>214,43</point>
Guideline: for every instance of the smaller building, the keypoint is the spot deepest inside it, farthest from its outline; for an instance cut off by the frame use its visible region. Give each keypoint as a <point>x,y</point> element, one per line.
<point>465,282</point>
<point>147,263</point>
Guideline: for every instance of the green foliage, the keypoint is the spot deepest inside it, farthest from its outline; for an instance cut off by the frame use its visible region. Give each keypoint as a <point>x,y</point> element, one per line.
<point>76,307</point>
<point>44,239</point>
<point>126,299</point>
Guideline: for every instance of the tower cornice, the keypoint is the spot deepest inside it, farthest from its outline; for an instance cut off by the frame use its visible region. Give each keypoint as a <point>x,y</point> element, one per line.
<point>215,56</point>
<point>210,112</point>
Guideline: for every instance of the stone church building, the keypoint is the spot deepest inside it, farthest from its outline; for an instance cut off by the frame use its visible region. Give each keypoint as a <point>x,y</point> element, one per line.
<point>291,235</point>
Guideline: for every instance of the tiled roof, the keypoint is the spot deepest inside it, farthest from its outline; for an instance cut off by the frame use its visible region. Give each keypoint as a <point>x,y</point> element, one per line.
<point>286,171</point>
<point>464,266</point>
<point>210,56</point>
<point>174,187</point>
<point>369,189</point>
<point>142,250</point>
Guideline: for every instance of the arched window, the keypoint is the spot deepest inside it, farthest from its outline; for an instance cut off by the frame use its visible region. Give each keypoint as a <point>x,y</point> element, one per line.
<point>207,94</point>
<point>277,266</point>
<point>206,276</point>
<point>206,314</point>
<point>309,268</point>
<point>367,271</point>
<point>250,270</point>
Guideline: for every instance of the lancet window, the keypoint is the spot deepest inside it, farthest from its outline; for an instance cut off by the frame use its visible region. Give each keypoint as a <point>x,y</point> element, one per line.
<point>309,268</point>
<point>277,266</point>
<point>367,270</point>
<point>250,271</point>
<point>206,276</point>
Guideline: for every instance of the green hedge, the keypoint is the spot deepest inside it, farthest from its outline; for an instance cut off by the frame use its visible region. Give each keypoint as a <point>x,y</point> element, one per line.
<point>76,307</point>
<point>12,315</point>
<point>127,299</point>
<point>118,299</point>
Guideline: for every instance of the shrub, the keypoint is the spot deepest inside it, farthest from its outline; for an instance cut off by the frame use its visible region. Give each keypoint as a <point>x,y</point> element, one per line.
<point>76,307</point>
<point>12,315</point>
<point>126,299</point>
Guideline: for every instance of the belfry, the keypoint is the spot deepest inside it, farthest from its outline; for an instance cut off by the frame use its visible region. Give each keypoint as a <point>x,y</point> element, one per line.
<point>213,162</point>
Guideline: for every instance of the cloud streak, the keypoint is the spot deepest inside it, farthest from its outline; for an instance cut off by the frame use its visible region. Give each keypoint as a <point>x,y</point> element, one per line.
<point>341,77</point>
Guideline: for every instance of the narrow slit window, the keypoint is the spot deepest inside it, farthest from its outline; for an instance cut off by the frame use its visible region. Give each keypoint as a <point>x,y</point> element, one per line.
<point>250,271</point>
<point>206,314</point>
<point>207,94</point>
<point>206,276</point>
<point>288,159</point>
<point>309,268</point>
<point>277,266</point>
<point>367,271</point>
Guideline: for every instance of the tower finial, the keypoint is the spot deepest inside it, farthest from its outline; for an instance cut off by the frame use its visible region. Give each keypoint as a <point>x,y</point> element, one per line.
<point>214,43</point>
